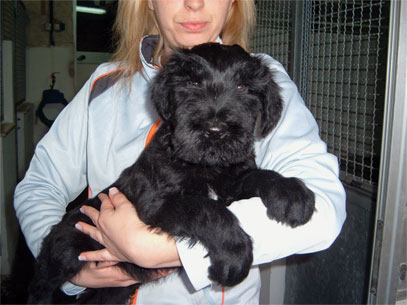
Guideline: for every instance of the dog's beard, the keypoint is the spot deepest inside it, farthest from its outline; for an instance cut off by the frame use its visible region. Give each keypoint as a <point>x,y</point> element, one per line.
<point>195,147</point>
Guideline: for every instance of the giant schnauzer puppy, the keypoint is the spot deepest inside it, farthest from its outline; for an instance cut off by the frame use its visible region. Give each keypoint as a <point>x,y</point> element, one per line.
<point>209,99</point>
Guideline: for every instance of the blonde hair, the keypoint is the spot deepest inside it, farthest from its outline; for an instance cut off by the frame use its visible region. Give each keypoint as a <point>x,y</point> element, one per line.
<point>135,20</point>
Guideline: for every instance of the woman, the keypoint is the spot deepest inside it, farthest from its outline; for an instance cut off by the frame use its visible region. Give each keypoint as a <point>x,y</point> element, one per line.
<point>104,129</point>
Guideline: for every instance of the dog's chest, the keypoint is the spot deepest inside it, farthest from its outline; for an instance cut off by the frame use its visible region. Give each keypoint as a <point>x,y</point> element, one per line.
<point>212,194</point>
<point>209,182</point>
<point>197,179</point>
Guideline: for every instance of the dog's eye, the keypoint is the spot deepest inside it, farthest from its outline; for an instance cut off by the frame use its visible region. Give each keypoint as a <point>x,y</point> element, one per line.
<point>241,88</point>
<point>192,84</point>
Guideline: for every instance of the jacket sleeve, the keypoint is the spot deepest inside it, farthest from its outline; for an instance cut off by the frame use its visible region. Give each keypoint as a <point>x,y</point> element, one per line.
<point>294,149</point>
<point>57,173</point>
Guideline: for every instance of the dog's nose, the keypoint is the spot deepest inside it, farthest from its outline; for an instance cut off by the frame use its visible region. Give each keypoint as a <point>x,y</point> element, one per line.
<point>215,129</point>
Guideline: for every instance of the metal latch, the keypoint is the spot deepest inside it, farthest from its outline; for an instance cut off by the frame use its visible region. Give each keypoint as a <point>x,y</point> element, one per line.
<point>376,257</point>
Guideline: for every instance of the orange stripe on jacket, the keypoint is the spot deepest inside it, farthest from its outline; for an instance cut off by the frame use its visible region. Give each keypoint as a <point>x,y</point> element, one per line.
<point>151,133</point>
<point>133,299</point>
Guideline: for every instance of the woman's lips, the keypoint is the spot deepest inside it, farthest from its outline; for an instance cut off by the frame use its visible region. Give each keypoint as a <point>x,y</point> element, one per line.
<point>193,26</point>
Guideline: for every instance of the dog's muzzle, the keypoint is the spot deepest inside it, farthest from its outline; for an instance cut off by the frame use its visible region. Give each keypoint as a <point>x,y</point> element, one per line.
<point>215,129</point>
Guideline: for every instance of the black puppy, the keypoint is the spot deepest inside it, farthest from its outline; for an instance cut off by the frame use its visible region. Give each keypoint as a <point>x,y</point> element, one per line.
<point>209,99</point>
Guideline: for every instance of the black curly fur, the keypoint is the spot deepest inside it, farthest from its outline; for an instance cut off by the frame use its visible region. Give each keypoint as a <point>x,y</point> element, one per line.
<point>209,98</point>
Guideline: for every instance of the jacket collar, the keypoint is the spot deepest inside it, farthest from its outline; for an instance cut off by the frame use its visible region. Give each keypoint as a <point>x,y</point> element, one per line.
<point>147,48</point>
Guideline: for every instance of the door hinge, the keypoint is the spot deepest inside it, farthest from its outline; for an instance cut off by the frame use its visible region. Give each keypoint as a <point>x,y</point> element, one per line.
<point>376,257</point>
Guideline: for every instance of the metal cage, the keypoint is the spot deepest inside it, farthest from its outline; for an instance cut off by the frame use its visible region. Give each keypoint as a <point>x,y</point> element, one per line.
<point>335,50</point>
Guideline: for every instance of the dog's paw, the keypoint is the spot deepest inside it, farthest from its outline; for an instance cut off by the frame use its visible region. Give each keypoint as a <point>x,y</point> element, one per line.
<point>290,202</point>
<point>231,261</point>
<point>230,272</point>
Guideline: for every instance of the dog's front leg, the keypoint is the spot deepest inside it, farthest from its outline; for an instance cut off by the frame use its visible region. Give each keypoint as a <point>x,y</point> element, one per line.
<point>288,200</point>
<point>209,222</point>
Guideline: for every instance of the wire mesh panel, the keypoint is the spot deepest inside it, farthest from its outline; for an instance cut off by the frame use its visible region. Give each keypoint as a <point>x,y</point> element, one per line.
<point>342,70</point>
<point>273,29</point>
<point>343,80</point>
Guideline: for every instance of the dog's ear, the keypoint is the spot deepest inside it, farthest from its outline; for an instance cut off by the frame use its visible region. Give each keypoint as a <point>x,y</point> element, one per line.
<point>271,103</point>
<point>160,95</point>
<point>162,86</point>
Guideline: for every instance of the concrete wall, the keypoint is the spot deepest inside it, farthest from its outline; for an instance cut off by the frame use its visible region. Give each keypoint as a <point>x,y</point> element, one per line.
<point>38,14</point>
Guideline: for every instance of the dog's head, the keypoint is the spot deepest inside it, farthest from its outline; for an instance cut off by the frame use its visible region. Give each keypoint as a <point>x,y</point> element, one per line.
<point>211,96</point>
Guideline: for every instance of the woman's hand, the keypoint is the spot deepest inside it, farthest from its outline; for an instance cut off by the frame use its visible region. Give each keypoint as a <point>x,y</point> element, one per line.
<point>106,274</point>
<point>102,274</point>
<point>125,237</point>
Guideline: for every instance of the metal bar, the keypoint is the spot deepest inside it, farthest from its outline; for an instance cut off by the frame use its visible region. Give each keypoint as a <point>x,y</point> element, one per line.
<point>357,81</point>
<point>304,52</point>
<point>297,41</point>
<point>317,116</point>
<point>332,64</point>
<point>376,72</point>
<point>347,132</point>
<point>365,85</point>
<point>392,191</point>
<point>342,81</point>
<point>1,65</point>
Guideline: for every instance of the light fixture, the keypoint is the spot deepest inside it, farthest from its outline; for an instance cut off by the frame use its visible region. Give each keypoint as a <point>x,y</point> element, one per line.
<point>90,10</point>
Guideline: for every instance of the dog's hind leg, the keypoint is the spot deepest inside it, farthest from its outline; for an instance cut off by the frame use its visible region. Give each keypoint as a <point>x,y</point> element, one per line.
<point>56,263</point>
<point>58,259</point>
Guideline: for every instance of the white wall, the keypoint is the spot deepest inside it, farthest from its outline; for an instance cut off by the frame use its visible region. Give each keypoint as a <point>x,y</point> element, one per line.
<point>41,62</point>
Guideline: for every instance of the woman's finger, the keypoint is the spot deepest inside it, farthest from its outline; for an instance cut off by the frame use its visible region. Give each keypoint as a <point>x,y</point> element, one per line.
<point>92,275</point>
<point>90,230</point>
<point>102,255</point>
<point>106,205</point>
<point>117,198</point>
<point>105,264</point>
<point>91,212</point>
<point>165,271</point>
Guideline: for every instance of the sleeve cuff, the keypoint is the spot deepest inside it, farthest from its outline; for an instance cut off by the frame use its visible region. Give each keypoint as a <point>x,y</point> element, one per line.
<point>195,262</point>
<point>273,240</point>
<point>70,289</point>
